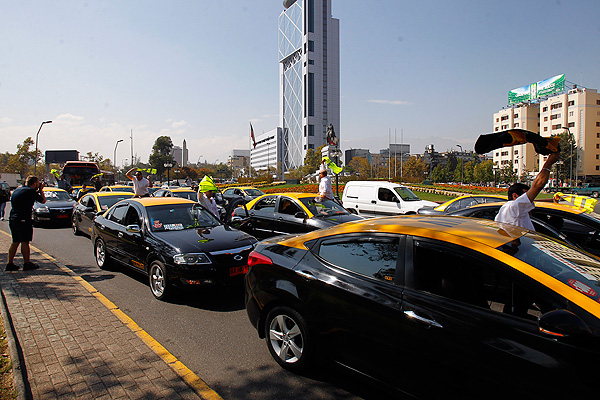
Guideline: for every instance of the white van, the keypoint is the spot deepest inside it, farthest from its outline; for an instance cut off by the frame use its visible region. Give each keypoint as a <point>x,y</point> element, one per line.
<point>377,199</point>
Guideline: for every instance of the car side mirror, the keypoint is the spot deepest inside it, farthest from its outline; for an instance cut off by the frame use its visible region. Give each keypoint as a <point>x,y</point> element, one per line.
<point>300,215</point>
<point>561,323</point>
<point>133,228</point>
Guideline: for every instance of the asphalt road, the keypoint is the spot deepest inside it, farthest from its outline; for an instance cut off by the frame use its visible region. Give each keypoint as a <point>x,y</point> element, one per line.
<point>209,332</point>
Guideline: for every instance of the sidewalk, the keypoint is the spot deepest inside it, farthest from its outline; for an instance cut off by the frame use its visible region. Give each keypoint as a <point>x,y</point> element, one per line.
<point>75,347</point>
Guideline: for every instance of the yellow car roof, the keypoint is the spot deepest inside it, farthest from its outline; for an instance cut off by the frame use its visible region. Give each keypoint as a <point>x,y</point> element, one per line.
<point>443,206</point>
<point>158,201</point>
<point>183,189</point>
<point>110,194</point>
<point>53,189</point>
<point>242,187</point>
<point>459,230</point>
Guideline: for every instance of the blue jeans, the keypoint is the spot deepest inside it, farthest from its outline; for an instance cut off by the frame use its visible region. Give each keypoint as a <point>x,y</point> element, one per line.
<point>2,206</point>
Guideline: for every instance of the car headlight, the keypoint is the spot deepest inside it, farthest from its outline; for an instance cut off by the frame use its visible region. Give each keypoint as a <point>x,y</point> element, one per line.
<point>191,259</point>
<point>43,209</point>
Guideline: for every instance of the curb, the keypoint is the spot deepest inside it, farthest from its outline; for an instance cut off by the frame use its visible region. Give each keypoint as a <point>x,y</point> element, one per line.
<point>16,355</point>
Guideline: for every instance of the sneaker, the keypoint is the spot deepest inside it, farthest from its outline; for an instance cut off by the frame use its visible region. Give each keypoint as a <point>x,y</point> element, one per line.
<point>11,267</point>
<point>28,266</point>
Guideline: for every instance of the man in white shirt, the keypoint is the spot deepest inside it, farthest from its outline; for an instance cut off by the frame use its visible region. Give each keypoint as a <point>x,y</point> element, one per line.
<point>325,191</point>
<point>520,198</point>
<point>140,184</point>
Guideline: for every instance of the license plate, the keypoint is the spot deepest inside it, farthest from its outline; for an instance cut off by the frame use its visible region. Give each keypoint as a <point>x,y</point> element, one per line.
<point>62,216</point>
<point>238,270</point>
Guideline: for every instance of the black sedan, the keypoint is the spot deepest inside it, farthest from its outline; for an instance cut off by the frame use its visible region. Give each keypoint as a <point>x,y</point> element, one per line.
<point>91,205</point>
<point>573,225</point>
<point>440,307</point>
<point>278,214</point>
<point>244,193</point>
<point>172,240</point>
<point>56,211</point>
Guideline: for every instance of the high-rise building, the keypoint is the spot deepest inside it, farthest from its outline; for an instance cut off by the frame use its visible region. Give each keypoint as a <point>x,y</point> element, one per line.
<point>576,110</point>
<point>309,76</point>
<point>177,154</point>
<point>184,156</point>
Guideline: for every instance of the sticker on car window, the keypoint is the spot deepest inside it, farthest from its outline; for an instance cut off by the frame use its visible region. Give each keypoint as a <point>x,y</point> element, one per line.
<point>156,224</point>
<point>173,227</point>
<point>104,207</point>
<point>582,287</point>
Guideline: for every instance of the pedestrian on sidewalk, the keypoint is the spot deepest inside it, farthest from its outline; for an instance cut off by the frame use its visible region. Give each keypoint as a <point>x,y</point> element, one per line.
<point>4,198</point>
<point>20,222</point>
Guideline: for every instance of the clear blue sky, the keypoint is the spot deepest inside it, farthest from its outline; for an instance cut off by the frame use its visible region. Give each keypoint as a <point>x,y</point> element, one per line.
<point>201,70</point>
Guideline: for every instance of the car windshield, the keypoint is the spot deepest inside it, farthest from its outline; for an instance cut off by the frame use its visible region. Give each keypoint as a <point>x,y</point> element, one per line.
<point>406,194</point>
<point>122,189</point>
<point>176,217</point>
<point>57,196</point>
<point>187,195</point>
<point>320,208</point>
<point>564,263</point>
<point>107,202</point>
<point>253,192</point>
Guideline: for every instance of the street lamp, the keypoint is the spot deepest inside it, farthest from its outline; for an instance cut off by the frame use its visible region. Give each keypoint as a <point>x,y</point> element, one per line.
<point>571,140</point>
<point>168,166</point>
<point>36,145</point>
<point>115,156</point>
<point>461,164</point>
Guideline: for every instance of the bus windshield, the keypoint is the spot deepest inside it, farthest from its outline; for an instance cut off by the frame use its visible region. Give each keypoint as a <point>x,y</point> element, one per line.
<point>78,173</point>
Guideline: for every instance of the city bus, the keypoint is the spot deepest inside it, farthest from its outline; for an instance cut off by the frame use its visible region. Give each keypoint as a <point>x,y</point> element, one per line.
<point>79,172</point>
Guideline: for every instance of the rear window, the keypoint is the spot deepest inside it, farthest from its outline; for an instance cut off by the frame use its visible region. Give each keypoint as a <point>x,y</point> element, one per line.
<point>107,202</point>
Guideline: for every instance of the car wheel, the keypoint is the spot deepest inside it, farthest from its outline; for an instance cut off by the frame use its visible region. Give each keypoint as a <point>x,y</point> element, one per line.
<point>159,283</point>
<point>288,339</point>
<point>75,227</point>
<point>102,258</point>
<point>595,194</point>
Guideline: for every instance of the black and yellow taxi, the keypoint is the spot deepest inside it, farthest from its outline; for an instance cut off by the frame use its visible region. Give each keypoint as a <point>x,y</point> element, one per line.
<point>461,202</point>
<point>174,241</point>
<point>575,225</point>
<point>436,306</point>
<point>284,213</point>
<point>243,193</point>
<point>182,192</point>
<point>57,209</point>
<point>116,188</point>
<point>92,204</point>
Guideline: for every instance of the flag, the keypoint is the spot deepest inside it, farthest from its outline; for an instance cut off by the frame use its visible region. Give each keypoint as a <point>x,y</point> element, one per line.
<point>334,168</point>
<point>511,137</point>
<point>252,135</point>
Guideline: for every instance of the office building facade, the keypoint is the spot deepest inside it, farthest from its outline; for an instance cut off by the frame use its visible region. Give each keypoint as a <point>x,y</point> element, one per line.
<point>309,75</point>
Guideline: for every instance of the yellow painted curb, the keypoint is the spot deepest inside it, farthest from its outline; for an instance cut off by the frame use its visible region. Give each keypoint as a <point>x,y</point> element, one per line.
<point>193,380</point>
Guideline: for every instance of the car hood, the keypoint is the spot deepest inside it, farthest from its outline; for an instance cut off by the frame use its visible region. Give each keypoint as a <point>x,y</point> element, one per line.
<point>206,239</point>
<point>55,204</point>
<point>338,219</point>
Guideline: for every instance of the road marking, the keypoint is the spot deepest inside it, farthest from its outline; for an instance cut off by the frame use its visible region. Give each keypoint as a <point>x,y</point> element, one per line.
<point>194,381</point>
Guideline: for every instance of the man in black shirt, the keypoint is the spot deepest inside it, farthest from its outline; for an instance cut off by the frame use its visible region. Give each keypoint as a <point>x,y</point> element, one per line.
<point>21,225</point>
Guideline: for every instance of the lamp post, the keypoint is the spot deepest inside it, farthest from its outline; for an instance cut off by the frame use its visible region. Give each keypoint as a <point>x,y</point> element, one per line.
<point>36,145</point>
<point>571,140</point>
<point>115,156</point>
<point>461,164</point>
<point>168,166</point>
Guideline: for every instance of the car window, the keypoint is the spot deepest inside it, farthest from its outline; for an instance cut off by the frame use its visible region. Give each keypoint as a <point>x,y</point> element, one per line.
<point>461,275</point>
<point>187,195</point>
<point>288,206</point>
<point>239,192</point>
<point>484,213</point>
<point>322,207</point>
<point>386,195</point>
<point>406,194</point>
<point>177,217</point>
<point>254,192</point>
<point>108,201</point>
<point>372,257</point>
<point>132,217</point>
<point>267,204</point>
<point>118,214</point>
<point>57,196</point>
<point>573,228</point>
<point>228,192</point>
<point>457,205</point>
<point>88,201</point>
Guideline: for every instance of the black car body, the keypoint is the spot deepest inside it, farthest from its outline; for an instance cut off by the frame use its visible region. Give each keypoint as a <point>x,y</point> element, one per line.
<point>245,193</point>
<point>57,209</point>
<point>92,204</point>
<point>573,225</point>
<point>174,241</point>
<point>278,214</point>
<point>440,307</point>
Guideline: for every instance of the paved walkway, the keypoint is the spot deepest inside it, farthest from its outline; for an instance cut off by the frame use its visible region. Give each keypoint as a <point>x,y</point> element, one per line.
<point>78,345</point>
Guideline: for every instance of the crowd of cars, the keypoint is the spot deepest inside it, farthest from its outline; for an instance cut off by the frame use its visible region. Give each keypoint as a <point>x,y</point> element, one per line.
<point>442,291</point>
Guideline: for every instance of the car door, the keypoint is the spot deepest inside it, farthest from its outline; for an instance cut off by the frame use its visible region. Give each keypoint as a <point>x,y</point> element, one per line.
<point>131,238</point>
<point>387,203</point>
<point>468,315</point>
<point>262,216</point>
<point>348,284</point>
<point>290,217</point>
<point>88,213</point>
<point>112,228</point>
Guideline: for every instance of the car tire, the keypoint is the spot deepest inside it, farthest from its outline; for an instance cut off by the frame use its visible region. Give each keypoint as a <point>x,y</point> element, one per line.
<point>289,340</point>
<point>102,258</point>
<point>595,194</point>
<point>159,281</point>
<point>74,226</point>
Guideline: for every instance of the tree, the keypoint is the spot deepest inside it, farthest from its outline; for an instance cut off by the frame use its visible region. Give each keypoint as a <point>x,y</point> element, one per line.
<point>361,167</point>
<point>23,160</point>
<point>440,173</point>
<point>414,169</point>
<point>568,156</point>
<point>484,172</point>
<point>161,153</point>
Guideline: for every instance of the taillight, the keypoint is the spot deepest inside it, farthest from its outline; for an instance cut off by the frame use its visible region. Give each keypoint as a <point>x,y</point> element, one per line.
<point>256,258</point>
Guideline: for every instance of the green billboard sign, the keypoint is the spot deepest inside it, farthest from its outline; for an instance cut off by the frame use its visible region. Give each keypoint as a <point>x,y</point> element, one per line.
<point>535,90</point>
